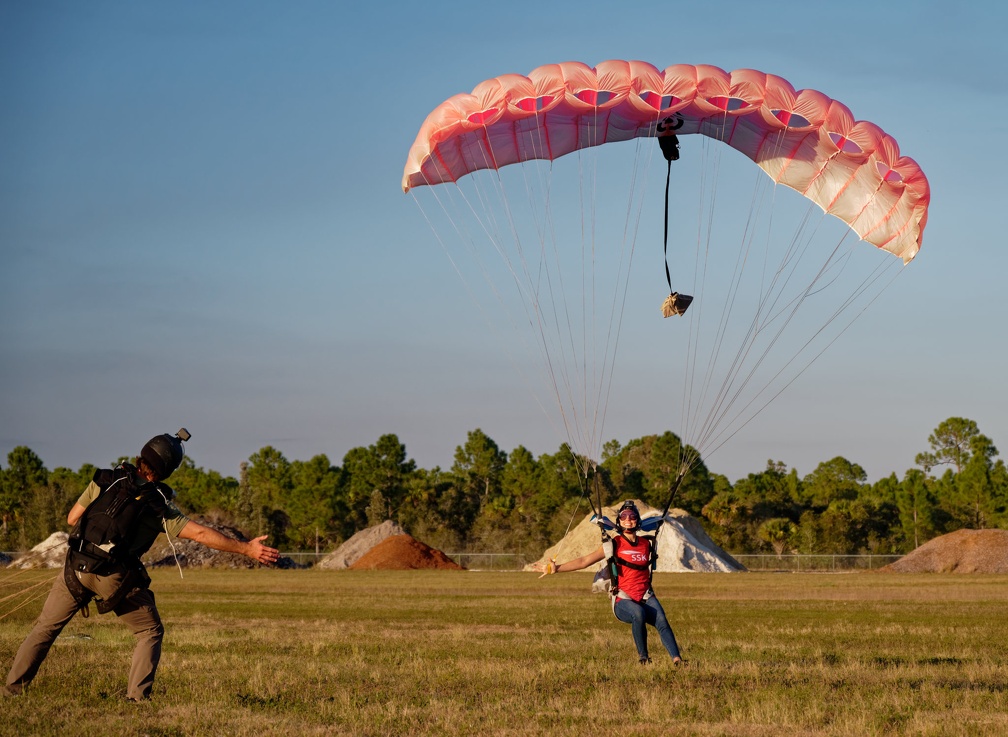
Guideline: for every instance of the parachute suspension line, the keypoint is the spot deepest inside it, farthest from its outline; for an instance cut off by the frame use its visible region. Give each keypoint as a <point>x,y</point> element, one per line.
<point>593,392</point>
<point>620,291</point>
<point>603,351</point>
<point>585,392</point>
<point>549,325</point>
<point>562,368</point>
<point>588,316</point>
<point>731,387</point>
<point>575,429</point>
<point>709,170</point>
<point>31,594</point>
<point>786,314</point>
<point>543,287</point>
<point>483,214</point>
<point>562,362</point>
<point>554,362</point>
<point>770,310</point>
<point>693,407</point>
<point>683,470</point>
<point>469,240</point>
<point>715,415</point>
<point>586,468</point>
<point>708,188</point>
<point>722,440</point>
<point>582,392</point>
<point>792,255</point>
<point>491,324</point>
<point>729,304</point>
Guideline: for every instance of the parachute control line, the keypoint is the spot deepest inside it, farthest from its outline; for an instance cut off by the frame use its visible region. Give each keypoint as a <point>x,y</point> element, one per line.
<point>675,303</point>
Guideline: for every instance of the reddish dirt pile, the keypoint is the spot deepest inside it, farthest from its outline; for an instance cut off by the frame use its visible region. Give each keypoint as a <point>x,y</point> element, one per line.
<point>962,551</point>
<point>403,553</point>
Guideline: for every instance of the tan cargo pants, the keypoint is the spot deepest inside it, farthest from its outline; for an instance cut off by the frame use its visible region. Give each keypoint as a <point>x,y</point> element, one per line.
<point>137,610</point>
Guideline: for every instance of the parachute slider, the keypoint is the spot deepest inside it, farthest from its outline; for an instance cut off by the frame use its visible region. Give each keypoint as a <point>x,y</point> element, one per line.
<point>675,304</point>
<point>603,522</point>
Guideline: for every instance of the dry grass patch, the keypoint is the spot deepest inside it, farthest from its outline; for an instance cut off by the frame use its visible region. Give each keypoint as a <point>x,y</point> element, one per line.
<point>459,653</point>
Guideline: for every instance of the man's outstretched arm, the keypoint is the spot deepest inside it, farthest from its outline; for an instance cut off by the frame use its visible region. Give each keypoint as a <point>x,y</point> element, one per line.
<point>254,549</point>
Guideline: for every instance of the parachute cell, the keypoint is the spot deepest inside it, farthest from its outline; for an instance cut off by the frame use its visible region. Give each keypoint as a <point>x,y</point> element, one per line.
<point>801,138</point>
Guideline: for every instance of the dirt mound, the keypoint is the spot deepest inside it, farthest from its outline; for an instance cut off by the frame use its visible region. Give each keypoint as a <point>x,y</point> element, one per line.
<point>351,551</point>
<point>962,551</point>
<point>683,546</point>
<point>403,552</point>
<point>50,553</point>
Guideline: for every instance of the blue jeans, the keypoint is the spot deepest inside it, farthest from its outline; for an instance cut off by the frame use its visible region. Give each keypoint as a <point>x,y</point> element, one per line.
<point>639,615</point>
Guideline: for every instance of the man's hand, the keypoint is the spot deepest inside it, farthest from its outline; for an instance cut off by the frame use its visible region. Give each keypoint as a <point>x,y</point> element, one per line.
<point>262,553</point>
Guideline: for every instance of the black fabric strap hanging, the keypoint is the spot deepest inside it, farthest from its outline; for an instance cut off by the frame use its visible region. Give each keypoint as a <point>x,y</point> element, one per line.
<point>668,179</point>
<point>675,303</point>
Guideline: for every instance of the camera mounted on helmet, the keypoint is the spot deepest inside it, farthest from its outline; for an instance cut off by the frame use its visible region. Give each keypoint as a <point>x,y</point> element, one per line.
<point>164,453</point>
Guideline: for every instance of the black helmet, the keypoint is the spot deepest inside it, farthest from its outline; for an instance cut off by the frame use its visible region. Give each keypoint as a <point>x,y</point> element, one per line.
<point>163,453</point>
<point>629,511</point>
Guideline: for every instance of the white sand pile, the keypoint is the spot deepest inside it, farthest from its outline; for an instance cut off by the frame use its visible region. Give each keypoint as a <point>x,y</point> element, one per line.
<point>50,553</point>
<point>351,551</point>
<point>683,546</point>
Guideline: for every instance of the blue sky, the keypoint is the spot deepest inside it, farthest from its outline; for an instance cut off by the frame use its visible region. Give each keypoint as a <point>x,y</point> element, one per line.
<point>202,224</point>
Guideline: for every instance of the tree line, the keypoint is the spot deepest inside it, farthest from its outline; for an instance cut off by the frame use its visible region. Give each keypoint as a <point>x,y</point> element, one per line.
<point>494,501</point>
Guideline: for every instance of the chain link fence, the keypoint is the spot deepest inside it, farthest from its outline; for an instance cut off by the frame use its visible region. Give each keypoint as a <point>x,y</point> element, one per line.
<point>796,563</point>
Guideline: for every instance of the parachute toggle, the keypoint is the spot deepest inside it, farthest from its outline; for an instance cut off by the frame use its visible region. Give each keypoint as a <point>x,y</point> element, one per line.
<point>675,304</point>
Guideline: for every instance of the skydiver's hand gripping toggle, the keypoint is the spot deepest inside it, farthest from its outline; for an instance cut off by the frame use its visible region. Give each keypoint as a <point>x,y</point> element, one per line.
<point>550,566</point>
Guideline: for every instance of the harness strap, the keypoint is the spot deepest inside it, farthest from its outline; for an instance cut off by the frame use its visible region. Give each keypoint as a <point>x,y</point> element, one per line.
<point>81,595</point>
<point>623,595</point>
<point>135,578</point>
<point>635,566</point>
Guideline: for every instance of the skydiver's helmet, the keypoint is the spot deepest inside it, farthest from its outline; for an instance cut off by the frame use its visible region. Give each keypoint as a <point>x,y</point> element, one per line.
<point>164,453</point>
<point>627,513</point>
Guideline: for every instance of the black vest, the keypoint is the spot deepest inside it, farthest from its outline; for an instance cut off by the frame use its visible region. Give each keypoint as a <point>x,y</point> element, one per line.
<point>104,536</point>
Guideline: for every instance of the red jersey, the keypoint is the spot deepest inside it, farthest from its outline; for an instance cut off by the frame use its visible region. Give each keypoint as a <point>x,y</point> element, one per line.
<point>634,581</point>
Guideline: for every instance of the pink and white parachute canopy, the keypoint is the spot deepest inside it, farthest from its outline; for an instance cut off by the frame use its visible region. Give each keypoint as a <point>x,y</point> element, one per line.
<point>800,138</point>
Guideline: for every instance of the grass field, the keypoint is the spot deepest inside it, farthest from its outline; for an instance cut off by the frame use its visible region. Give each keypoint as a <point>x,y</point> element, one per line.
<point>463,653</point>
